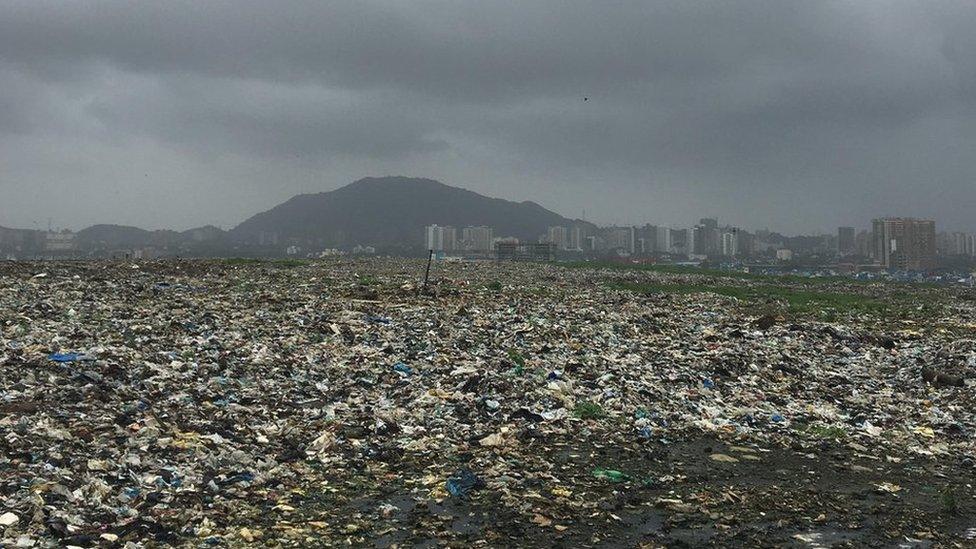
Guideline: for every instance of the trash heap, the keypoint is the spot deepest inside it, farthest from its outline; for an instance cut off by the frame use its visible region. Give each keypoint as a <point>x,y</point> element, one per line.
<point>235,402</point>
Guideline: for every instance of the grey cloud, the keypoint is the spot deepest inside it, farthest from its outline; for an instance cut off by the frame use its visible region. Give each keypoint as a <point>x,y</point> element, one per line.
<point>265,118</point>
<point>736,109</point>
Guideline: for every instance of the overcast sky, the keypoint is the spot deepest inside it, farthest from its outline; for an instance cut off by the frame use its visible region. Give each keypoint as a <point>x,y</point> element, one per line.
<point>797,116</point>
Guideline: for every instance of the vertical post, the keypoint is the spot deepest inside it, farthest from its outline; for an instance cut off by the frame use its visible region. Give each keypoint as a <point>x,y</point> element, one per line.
<point>430,256</point>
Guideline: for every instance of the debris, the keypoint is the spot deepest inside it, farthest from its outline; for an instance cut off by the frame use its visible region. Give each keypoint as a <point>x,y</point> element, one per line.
<point>69,357</point>
<point>936,378</point>
<point>765,322</point>
<point>278,406</point>
<point>541,520</point>
<point>462,482</point>
<point>888,487</point>
<point>559,491</point>
<point>871,429</point>
<point>610,474</point>
<point>8,519</point>
<point>494,439</point>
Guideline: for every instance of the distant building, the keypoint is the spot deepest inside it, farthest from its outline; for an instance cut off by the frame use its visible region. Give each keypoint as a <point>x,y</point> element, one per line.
<point>647,239</point>
<point>477,239</point>
<point>441,239</point>
<point>784,255</point>
<point>558,236</point>
<point>696,240</point>
<point>862,243</point>
<point>958,244</point>
<point>845,240</point>
<point>904,243</point>
<point>63,241</point>
<point>745,243</point>
<point>621,238</point>
<point>513,251</point>
<point>709,239</point>
<point>594,243</point>
<point>664,242</point>
<point>575,238</point>
<point>730,244</point>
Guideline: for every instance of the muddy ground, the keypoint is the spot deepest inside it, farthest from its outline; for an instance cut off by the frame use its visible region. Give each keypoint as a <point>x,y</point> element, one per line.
<point>681,494</point>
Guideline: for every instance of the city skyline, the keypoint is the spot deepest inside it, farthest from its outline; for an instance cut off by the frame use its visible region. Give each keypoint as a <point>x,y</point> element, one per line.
<point>51,223</point>
<point>894,243</point>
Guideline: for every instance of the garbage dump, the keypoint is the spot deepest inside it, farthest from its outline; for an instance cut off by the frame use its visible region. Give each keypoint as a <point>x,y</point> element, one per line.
<point>229,403</point>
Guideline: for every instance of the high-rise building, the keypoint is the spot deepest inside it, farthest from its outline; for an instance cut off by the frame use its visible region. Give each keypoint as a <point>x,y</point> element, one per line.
<point>692,244</point>
<point>63,241</point>
<point>441,239</point>
<point>729,243</point>
<point>956,243</point>
<point>621,238</point>
<point>647,238</point>
<point>558,236</point>
<point>696,237</point>
<point>862,243</point>
<point>477,239</point>
<point>575,238</point>
<point>679,241</point>
<point>904,243</point>
<point>845,240</point>
<point>745,243</point>
<point>962,244</point>
<point>593,243</point>
<point>664,242</point>
<point>710,241</point>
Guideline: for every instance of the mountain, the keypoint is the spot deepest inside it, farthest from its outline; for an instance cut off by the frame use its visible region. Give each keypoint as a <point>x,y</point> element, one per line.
<point>113,236</point>
<point>392,212</point>
<point>123,237</point>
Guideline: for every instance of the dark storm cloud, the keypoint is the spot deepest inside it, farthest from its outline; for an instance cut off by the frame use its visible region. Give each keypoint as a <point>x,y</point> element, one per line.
<point>265,118</point>
<point>737,109</point>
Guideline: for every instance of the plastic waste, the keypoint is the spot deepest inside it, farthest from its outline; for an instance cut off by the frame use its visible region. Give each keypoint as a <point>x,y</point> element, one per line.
<point>610,474</point>
<point>462,482</point>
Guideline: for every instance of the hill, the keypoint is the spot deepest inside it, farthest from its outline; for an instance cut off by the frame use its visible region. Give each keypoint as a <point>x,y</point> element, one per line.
<point>122,237</point>
<point>114,236</point>
<point>392,211</point>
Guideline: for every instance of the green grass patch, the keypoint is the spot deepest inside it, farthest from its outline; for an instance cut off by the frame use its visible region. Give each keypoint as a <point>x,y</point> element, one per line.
<point>950,502</point>
<point>367,280</point>
<point>589,410</point>
<point>825,431</point>
<point>516,358</point>
<point>739,275</point>
<point>764,297</point>
<point>278,263</point>
<point>704,271</point>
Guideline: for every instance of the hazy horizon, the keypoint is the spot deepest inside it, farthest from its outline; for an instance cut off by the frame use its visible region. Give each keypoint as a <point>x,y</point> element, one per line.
<point>794,117</point>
